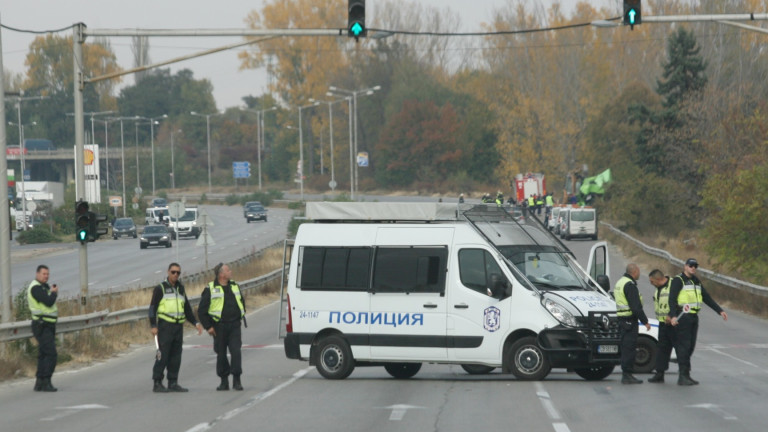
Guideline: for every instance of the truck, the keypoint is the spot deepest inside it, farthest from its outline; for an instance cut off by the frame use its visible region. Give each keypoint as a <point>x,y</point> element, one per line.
<point>400,284</point>
<point>529,184</point>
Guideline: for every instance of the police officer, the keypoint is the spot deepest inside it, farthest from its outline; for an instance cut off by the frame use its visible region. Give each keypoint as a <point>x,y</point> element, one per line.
<point>539,204</point>
<point>686,294</point>
<point>550,202</point>
<point>499,199</point>
<point>221,310</point>
<point>666,332</point>
<point>42,305</point>
<point>629,308</point>
<point>168,310</point>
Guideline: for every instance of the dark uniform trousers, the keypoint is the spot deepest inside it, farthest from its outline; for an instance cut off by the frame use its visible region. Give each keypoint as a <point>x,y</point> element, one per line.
<point>686,330</point>
<point>628,331</point>
<point>45,333</point>
<point>170,337</point>
<point>667,340</point>
<point>228,336</point>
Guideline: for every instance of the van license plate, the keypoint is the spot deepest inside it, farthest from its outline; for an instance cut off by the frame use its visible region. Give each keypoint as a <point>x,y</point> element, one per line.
<point>608,349</point>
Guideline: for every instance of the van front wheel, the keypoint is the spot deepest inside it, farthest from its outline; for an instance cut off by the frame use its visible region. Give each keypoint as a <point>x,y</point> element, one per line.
<point>333,358</point>
<point>526,360</point>
<point>402,370</point>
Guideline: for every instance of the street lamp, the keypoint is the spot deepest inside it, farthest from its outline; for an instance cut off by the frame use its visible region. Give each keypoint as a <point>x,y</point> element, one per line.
<point>301,148</point>
<point>106,141</point>
<point>152,122</point>
<point>332,183</point>
<point>208,128</point>
<point>173,169</point>
<point>367,92</point>
<point>260,132</point>
<point>23,169</point>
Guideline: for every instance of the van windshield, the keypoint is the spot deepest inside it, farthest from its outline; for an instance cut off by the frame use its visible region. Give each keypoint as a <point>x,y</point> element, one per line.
<point>546,268</point>
<point>582,215</point>
<point>188,216</point>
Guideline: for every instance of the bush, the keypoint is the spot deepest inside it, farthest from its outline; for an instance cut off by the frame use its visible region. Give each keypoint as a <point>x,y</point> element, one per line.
<point>293,225</point>
<point>232,199</point>
<point>37,235</point>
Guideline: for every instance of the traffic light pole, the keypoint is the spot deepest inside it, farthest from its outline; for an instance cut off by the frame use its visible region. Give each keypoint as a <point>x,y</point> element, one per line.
<point>78,39</point>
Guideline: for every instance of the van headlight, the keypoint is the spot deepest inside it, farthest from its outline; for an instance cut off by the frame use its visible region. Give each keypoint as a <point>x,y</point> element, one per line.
<point>559,312</point>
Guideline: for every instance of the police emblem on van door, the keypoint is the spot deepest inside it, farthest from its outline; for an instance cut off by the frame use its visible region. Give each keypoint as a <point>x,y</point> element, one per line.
<point>492,320</point>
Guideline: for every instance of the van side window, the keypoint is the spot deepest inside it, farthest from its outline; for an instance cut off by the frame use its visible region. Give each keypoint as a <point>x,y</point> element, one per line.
<point>334,268</point>
<point>410,269</point>
<point>478,269</point>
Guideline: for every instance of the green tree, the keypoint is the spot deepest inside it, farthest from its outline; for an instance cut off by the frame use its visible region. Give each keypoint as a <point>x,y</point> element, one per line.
<point>683,75</point>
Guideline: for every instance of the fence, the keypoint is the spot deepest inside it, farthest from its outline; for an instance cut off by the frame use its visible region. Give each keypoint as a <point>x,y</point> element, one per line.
<point>23,329</point>
<point>702,272</point>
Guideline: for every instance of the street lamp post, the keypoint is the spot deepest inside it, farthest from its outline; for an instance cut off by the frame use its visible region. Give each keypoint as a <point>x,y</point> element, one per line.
<point>301,148</point>
<point>260,132</point>
<point>208,129</point>
<point>106,141</point>
<point>332,184</point>
<point>173,165</point>
<point>23,169</point>
<point>366,91</point>
<point>152,122</point>
<point>136,136</point>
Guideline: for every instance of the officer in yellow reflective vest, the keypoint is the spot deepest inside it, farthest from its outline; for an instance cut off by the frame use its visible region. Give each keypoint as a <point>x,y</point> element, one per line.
<point>221,311</point>
<point>629,309</point>
<point>168,310</point>
<point>666,332</point>
<point>686,295</point>
<point>42,305</point>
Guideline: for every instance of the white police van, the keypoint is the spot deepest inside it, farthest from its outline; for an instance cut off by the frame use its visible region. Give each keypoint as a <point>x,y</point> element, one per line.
<point>399,284</point>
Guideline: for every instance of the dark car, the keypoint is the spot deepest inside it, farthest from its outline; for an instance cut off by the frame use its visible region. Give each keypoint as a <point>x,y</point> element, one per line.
<point>155,235</point>
<point>255,212</point>
<point>159,202</point>
<point>123,227</point>
<point>248,204</point>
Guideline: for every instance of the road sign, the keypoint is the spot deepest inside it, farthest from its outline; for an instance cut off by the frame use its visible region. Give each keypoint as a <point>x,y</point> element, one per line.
<point>241,169</point>
<point>31,206</point>
<point>332,184</point>
<point>137,191</point>
<point>205,240</point>
<point>135,206</point>
<point>362,159</point>
<point>176,209</point>
<point>115,201</point>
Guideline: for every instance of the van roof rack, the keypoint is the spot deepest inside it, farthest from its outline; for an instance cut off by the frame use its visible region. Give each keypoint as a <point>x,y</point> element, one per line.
<point>381,212</point>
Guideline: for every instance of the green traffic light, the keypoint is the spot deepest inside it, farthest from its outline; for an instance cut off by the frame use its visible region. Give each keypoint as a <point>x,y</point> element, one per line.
<point>632,12</point>
<point>82,235</point>
<point>356,29</point>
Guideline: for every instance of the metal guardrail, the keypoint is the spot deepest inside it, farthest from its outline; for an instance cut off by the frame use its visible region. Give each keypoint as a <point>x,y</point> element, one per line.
<point>23,329</point>
<point>708,274</point>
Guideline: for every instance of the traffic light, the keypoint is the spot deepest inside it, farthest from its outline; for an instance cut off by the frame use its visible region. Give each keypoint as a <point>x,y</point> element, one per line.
<point>93,226</point>
<point>356,19</point>
<point>632,14</point>
<point>82,221</point>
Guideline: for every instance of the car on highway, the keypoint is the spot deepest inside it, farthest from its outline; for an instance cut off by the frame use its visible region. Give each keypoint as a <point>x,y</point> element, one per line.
<point>255,212</point>
<point>248,204</point>
<point>123,227</point>
<point>159,202</point>
<point>155,235</point>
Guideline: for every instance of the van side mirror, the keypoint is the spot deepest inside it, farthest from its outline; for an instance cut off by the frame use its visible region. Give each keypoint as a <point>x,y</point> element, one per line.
<point>605,282</point>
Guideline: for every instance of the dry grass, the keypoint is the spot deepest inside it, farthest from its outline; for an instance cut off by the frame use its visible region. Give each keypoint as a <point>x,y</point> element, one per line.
<point>19,358</point>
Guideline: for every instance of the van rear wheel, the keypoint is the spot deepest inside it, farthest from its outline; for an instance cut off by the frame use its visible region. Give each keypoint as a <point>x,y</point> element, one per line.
<point>402,370</point>
<point>526,360</point>
<point>333,358</point>
<point>595,373</point>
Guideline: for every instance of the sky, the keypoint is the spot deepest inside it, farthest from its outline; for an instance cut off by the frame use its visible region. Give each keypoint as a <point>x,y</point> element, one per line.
<point>230,84</point>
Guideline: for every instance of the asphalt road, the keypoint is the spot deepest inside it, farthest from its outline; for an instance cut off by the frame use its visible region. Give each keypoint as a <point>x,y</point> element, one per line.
<point>120,264</point>
<point>731,361</point>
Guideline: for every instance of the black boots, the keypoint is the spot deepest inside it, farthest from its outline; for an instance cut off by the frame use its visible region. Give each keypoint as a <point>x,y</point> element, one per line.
<point>224,384</point>
<point>628,378</point>
<point>236,383</point>
<point>44,385</point>
<point>658,378</point>
<point>174,386</point>
<point>684,379</point>
<point>159,387</point>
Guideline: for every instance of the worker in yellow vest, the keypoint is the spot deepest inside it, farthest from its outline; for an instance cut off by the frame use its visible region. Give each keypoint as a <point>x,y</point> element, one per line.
<point>629,309</point>
<point>666,332</point>
<point>686,295</point>
<point>221,311</point>
<point>42,305</point>
<point>168,310</point>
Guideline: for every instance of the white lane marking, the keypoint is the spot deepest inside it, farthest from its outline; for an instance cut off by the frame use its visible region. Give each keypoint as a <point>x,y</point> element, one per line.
<point>546,401</point>
<point>734,358</point>
<point>399,410</point>
<point>251,403</point>
<point>561,427</point>
<point>67,411</point>
<point>715,409</point>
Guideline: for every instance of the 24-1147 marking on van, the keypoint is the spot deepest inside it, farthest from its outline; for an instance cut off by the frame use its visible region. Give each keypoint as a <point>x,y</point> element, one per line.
<point>309,314</point>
